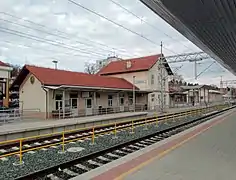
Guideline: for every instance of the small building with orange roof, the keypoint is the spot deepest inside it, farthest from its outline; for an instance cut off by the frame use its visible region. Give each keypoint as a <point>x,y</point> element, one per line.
<point>62,93</point>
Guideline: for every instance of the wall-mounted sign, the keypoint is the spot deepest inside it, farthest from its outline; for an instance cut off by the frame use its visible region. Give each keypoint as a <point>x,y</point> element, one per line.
<point>140,81</point>
<point>32,79</point>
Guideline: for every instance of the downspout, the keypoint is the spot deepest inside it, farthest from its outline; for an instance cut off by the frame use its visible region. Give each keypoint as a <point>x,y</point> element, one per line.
<point>46,91</point>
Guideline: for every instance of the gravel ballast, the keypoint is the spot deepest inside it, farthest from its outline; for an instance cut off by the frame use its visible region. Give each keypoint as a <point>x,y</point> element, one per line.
<point>48,157</point>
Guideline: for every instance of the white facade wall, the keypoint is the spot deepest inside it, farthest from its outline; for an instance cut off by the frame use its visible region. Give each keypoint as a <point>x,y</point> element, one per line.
<point>32,96</point>
<point>4,71</point>
<point>143,80</point>
<point>154,98</point>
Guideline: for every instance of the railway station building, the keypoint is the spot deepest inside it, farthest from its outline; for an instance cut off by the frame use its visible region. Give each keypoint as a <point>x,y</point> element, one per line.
<point>144,73</point>
<point>59,93</point>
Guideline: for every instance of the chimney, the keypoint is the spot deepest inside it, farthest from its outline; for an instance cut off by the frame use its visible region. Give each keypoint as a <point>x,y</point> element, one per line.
<point>128,64</point>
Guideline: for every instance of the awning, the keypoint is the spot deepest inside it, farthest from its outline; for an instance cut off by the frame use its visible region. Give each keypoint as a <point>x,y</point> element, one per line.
<point>85,88</point>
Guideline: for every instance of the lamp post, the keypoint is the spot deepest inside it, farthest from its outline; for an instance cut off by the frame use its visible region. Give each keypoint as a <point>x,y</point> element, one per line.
<point>134,92</point>
<point>55,63</point>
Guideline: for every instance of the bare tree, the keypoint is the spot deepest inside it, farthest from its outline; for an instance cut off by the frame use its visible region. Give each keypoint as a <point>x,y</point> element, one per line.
<point>94,67</point>
<point>90,68</point>
<point>16,69</point>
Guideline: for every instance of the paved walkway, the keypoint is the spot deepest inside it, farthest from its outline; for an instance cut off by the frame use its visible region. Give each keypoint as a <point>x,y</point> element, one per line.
<point>210,156</point>
<point>206,151</point>
<point>43,124</point>
<point>173,110</point>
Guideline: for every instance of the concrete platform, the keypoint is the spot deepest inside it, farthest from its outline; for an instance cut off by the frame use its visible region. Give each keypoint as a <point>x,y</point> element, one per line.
<point>26,129</point>
<point>206,151</point>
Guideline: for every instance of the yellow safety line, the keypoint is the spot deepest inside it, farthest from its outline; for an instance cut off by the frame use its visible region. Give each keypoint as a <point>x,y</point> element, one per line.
<point>163,153</point>
<point>165,117</point>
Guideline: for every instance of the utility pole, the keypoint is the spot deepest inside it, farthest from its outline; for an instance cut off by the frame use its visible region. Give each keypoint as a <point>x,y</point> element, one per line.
<point>221,82</point>
<point>134,102</point>
<point>162,80</point>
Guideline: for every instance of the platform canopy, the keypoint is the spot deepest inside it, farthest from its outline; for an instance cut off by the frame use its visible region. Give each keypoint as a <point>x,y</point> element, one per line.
<point>210,24</point>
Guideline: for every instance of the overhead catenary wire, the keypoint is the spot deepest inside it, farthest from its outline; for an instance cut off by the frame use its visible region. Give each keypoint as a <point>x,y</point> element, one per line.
<point>117,24</point>
<point>146,22</point>
<point>53,51</point>
<point>93,42</point>
<point>206,69</point>
<point>43,40</point>
<point>49,33</point>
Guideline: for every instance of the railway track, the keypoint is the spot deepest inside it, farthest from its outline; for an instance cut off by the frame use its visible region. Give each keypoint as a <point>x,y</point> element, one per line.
<point>76,167</point>
<point>53,140</point>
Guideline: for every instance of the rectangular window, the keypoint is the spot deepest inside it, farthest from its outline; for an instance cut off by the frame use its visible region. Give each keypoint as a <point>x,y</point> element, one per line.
<point>74,102</point>
<point>110,97</point>
<point>152,79</point>
<point>130,99</point>
<point>164,82</point>
<point>89,103</point>
<point>58,97</point>
<point>164,99</point>
<point>73,95</point>
<point>122,99</point>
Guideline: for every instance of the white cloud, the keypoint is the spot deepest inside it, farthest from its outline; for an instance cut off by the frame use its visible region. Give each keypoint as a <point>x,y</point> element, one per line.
<point>79,27</point>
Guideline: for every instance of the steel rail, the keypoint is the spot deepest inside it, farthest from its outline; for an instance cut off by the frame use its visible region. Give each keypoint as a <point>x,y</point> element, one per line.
<point>49,170</point>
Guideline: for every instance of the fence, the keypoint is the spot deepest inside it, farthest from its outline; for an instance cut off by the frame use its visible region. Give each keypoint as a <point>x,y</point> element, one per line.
<point>71,112</point>
<point>16,115</point>
<point>130,124</point>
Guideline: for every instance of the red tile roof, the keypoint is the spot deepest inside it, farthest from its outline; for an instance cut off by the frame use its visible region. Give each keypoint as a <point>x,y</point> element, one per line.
<point>137,64</point>
<point>48,76</point>
<point>4,64</point>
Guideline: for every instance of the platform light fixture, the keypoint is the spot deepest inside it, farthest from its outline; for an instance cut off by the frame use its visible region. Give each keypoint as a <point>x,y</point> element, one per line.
<point>55,63</point>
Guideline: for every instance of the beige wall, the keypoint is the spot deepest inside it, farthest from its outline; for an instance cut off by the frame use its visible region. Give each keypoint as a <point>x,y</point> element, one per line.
<point>4,71</point>
<point>32,96</point>
<point>156,72</point>
<point>201,94</point>
<point>214,97</point>
<point>98,101</point>
<point>141,79</point>
<point>143,82</point>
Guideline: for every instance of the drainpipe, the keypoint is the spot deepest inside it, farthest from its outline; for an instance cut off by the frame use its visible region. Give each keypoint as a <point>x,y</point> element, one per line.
<point>46,91</point>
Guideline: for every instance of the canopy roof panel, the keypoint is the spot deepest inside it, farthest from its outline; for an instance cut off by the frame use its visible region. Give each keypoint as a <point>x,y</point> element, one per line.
<point>209,24</point>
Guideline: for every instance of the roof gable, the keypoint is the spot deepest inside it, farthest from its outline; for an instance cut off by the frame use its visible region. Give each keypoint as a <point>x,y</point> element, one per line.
<point>137,64</point>
<point>4,64</point>
<point>48,76</point>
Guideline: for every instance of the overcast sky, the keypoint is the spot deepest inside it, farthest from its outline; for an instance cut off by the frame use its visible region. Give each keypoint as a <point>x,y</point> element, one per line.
<point>40,31</point>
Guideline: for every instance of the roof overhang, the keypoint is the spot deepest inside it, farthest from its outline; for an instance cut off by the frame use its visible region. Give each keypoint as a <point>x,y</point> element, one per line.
<point>6,68</point>
<point>208,24</point>
<point>85,88</point>
<point>215,92</point>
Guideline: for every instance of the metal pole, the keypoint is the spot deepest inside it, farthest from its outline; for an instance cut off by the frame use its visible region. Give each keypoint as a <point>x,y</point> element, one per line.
<point>132,126</point>
<point>156,120</point>
<point>195,69</point>
<point>63,141</point>
<point>20,151</point>
<point>134,92</point>
<point>161,77</point>
<point>115,130</point>
<point>93,136</point>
